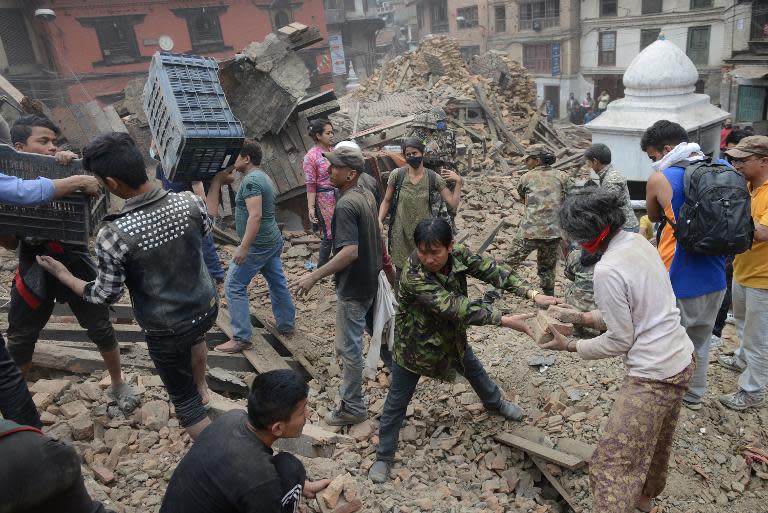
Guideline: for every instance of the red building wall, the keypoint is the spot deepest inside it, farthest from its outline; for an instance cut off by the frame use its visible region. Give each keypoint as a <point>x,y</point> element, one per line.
<point>76,47</point>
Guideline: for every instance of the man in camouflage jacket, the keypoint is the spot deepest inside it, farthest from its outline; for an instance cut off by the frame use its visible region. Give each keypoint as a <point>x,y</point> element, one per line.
<point>543,190</point>
<point>579,270</point>
<point>431,337</point>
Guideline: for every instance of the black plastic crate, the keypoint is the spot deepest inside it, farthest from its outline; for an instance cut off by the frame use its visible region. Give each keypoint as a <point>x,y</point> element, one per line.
<point>195,131</point>
<point>72,219</point>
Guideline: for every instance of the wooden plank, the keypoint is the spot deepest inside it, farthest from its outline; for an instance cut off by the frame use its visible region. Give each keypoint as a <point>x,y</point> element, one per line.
<point>261,356</point>
<point>290,343</point>
<point>533,123</point>
<point>79,361</point>
<point>532,448</point>
<point>119,310</point>
<point>74,333</point>
<point>498,122</point>
<point>382,74</point>
<point>10,89</point>
<point>475,135</point>
<point>487,242</point>
<point>556,484</point>
<point>401,77</point>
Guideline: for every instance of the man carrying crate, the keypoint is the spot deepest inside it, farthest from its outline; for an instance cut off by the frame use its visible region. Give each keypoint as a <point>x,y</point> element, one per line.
<point>154,247</point>
<point>33,292</point>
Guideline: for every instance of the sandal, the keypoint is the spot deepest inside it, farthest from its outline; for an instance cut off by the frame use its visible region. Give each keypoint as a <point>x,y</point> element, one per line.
<point>233,346</point>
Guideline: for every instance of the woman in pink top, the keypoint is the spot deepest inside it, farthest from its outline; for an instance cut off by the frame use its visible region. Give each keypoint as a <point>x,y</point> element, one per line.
<point>321,195</point>
<point>641,323</point>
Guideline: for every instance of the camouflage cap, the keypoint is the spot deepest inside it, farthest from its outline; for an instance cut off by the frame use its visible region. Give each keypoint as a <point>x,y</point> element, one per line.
<point>536,150</point>
<point>752,145</point>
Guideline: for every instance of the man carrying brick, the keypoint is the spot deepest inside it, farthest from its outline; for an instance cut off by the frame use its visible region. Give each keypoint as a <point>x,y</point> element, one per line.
<point>154,247</point>
<point>33,292</point>
<point>750,283</point>
<point>431,329</point>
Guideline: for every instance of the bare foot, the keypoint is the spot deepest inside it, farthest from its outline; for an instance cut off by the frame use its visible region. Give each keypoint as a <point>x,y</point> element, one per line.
<point>231,346</point>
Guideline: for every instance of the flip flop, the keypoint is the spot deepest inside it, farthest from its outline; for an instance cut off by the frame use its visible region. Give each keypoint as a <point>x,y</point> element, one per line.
<point>239,349</point>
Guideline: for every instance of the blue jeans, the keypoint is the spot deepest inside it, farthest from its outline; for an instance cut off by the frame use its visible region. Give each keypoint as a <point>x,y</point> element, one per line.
<point>402,386</point>
<point>265,260</point>
<point>352,316</point>
<point>211,257</point>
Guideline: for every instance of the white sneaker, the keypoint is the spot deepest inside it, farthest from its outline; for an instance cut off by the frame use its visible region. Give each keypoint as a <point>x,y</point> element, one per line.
<point>730,319</point>
<point>715,342</point>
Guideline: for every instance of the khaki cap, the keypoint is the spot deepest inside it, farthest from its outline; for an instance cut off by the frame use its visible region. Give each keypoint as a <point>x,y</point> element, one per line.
<point>752,145</point>
<point>346,156</point>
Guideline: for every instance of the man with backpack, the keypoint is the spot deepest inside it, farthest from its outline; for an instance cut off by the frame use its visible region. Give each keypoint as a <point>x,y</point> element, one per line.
<point>679,192</point>
<point>750,283</point>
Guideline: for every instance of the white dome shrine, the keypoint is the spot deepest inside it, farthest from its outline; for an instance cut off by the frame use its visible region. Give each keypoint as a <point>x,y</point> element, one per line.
<point>661,69</point>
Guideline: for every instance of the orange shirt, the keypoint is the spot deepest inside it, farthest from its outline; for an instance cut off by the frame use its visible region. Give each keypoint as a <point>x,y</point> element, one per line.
<point>750,268</point>
<point>667,242</point>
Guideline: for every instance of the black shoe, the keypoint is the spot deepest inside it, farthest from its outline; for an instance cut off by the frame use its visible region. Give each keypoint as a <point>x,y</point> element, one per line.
<point>510,411</point>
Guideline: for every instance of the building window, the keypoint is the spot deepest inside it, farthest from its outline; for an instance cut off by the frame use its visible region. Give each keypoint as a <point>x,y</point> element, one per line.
<point>539,14</point>
<point>538,58</point>
<point>608,7</point>
<point>500,18</point>
<point>467,52</point>
<point>606,55</point>
<point>15,38</point>
<point>117,38</point>
<point>438,15</point>
<point>204,28</point>
<point>701,4</point>
<point>698,45</point>
<point>648,37</point>
<point>281,18</point>
<point>652,6</point>
<point>467,17</point>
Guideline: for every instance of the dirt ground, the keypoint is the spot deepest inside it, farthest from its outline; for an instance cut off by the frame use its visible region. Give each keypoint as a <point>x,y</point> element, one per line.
<point>447,459</point>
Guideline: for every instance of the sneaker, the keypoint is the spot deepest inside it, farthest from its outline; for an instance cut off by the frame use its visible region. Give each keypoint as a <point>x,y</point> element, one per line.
<point>742,400</point>
<point>715,342</point>
<point>379,472</point>
<point>344,418</point>
<point>730,362</point>
<point>730,319</point>
<point>510,411</point>
<point>693,405</point>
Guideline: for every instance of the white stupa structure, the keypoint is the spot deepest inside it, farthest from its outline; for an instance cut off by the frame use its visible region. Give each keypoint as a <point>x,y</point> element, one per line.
<point>659,84</point>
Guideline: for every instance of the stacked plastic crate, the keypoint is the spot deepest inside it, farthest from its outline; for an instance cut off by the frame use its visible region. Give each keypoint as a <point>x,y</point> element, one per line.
<point>195,131</point>
<point>72,219</point>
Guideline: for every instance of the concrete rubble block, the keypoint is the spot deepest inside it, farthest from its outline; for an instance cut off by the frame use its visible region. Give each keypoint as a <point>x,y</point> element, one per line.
<point>314,442</point>
<point>89,391</point>
<point>43,400</point>
<point>362,431</point>
<point>114,455</point>
<point>542,323</point>
<point>120,435</point>
<point>155,415</point>
<point>566,315</point>
<point>82,427</point>
<point>53,386</point>
<point>330,496</point>
<point>103,474</point>
<point>73,409</point>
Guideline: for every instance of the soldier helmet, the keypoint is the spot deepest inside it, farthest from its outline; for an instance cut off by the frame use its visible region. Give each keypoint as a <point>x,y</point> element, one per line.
<point>422,120</point>
<point>541,152</point>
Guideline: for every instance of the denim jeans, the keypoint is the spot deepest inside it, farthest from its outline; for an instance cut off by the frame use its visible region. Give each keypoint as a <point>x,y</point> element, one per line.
<point>267,261</point>
<point>211,257</point>
<point>750,310</point>
<point>717,330</point>
<point>15,400</point>
<point>402,386</point>
<point>697,315</point>
<point>351,315</point>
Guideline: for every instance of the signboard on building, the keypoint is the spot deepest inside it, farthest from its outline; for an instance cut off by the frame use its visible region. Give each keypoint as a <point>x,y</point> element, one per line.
<point>337,54</point>
<point>555,59</point>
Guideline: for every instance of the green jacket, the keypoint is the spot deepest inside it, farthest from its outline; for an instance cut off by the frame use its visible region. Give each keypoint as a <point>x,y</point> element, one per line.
<point>434,312</point>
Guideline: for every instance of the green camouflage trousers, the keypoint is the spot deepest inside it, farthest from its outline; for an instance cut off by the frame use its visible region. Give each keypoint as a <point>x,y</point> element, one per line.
<point>546,257</point>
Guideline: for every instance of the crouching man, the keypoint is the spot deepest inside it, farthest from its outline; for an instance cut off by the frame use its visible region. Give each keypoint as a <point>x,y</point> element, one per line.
<point>154,247</point>
<point>231,467</point>
<point>431,328</point>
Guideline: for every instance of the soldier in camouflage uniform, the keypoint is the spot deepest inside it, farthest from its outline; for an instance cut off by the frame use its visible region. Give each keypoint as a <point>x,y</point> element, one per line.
<point>579,269</point>
<point>431,328</point>
<point>543,190</point>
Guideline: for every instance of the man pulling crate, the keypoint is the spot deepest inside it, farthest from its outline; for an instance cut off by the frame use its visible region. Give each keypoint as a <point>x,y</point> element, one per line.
<point>34,292</point>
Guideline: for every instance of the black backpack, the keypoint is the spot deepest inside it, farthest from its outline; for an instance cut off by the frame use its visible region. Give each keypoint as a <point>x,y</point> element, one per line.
<point>716,218</point>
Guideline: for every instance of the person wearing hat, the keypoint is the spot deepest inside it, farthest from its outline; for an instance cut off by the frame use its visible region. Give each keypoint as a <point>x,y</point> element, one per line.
<point>750,283</point>
<point>542,189</point>
<point>356,262</point>
<point>260,251</point>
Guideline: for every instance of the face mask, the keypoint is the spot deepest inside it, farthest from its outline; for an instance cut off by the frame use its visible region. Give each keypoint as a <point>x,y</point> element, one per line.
<point>153,154</point>
<point>414,162</point>
<point>441,125</point>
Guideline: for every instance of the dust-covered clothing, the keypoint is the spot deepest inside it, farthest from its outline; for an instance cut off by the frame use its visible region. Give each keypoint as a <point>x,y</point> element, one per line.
<point>632,456</point>
<point>579,291</point>
<point>437,143</point>
<point>413,205</point>
<point>543,190</point>
<point>435,312</point>
<point>546,257</point>
<point>610,179</point>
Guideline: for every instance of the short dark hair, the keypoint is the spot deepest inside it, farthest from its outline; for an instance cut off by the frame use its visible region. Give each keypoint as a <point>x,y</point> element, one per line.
<point>317,127</point>
<point>431,231</point>
<point>412,142</point>
<point>274,397</point>
<point>252,149</point>
<point>599,152</point>
<point>115,155</point>
<point>22,127</point>
<point>663,133</point>
<point>736,136</point>
<point>586,212</point>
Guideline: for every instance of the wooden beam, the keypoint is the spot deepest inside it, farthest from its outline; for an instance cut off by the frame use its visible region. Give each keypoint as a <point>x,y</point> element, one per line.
<point>10,90</point>
<point>401,77</point>
<point>262,356</point>
<point>556,484</point>
<point>382,74</point>
<point>532,124</point>
<point>290,343</point>
<point>541,451</point>
<point>73,332</point>
<point>119,310</point>
<point>487,242</point>
<point>498,122</point>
